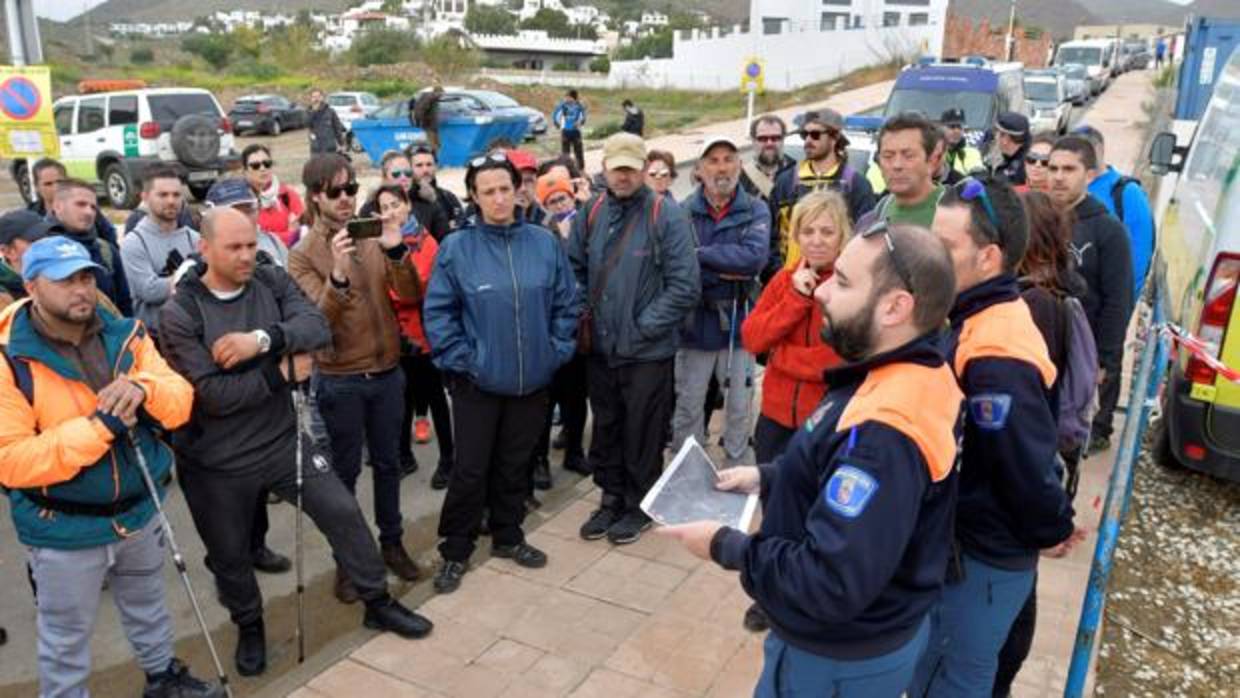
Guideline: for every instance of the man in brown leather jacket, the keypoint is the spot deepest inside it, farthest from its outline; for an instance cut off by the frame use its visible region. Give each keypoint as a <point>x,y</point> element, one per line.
<point>360,390</point>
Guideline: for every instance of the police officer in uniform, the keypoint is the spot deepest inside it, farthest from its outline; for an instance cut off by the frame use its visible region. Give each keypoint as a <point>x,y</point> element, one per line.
<point>855,538</point>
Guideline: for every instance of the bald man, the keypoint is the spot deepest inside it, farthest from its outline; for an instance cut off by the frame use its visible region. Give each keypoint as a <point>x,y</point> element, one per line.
<point>242,334</point>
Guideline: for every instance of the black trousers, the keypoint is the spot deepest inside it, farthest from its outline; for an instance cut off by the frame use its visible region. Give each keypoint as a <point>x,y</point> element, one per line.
<point>571,141</point>
<point>492,470</point>
<point>1019,642</point>
<point>220,504</point>
<point>424,389</point>
<point>770,438</point>
<point>632,408</point>
<point>568,390</point>
<point>1108,398</point>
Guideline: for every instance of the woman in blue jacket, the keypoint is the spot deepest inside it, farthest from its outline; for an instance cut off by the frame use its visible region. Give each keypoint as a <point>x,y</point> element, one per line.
<point>501,316</point>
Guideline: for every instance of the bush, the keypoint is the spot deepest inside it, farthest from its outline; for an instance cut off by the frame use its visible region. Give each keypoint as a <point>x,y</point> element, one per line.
<point>142,56</point>
<point>602,64</point>
<point>481,19</point>
<point>382,47</point>
<point>605,129</point>
<point>215,49</point>
<point>447,58</point>
<point>565,66</point>
<point>656,45</point>
<point>265,72</point>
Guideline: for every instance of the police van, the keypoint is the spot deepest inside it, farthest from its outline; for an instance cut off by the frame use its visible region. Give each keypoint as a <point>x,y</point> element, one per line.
<point>1198,266</point>
<point>981,88</point>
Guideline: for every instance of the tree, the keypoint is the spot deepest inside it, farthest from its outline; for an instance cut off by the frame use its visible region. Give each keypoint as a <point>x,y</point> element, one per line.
<point>296,46</point>
<point>481,19</point>
<point>142,55</point>
<point>393,7</point>
<point>447,58</point>
<point>554,22</point>
<point>382,47</point>
<point>656,45</point>
<point>215,49</point>
<point>247,42</point>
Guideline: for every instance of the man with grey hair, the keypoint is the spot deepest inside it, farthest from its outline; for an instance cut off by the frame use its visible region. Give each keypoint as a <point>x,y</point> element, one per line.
<point>733,231</point>
<point>242,334</point>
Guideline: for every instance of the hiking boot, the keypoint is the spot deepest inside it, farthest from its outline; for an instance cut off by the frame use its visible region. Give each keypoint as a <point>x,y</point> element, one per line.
<point>542,473</point>
<point>523,554</point>
<point>575,461</point>
<point>756,620</point>
<point>408,465</point>
<point>441,476</point>
<point>388,615</point>
<point>177,682</point>
<point>251,654</point>
<point>422,430</point>
<point>269,561</point>
<point>629,528</point>
<point>345,592</point>
<point>397,560</point>
<point>448,579</point>
<point>600,520</point>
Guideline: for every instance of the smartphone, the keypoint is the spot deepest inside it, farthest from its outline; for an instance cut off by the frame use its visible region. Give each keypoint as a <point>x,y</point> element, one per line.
<point>362,228</point>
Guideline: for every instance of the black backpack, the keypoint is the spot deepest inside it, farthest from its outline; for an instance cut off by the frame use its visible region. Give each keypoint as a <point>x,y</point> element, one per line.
<point>1117,198</point>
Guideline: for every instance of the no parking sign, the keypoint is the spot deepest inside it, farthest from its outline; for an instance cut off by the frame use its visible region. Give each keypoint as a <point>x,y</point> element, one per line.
<point>753,75</point>
<point>27,128</point>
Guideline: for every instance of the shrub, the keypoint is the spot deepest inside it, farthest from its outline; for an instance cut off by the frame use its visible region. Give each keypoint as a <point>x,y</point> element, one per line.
<point>215,49</point>
<point>142,56</point>
<point>602,64</point>
<point>447,58</point>
<point>382,47</point>
<point>605,129</point>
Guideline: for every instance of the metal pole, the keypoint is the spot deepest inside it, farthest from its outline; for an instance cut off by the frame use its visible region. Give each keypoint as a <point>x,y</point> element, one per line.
<point>1144,395</point>
<point>13,21</point>
<point>1011,35</point>
<point>749,103</point>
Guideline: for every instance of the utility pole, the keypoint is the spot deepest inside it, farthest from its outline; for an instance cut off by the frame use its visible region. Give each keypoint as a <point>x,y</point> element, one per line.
<point>25,48</point>
<point>1011,34</point>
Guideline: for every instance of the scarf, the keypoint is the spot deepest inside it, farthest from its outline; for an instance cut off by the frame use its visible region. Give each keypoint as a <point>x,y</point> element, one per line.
<point>271,195</point>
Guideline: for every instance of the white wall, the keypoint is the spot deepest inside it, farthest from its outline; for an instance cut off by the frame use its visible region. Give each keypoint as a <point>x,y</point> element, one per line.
<point>792,60</point>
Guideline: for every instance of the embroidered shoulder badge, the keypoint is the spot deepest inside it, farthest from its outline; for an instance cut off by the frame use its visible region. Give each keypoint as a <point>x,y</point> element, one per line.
<point>989,411</point>
<point>849,491</point>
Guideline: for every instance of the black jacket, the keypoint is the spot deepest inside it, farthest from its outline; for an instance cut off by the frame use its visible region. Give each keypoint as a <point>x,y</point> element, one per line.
<point>326,131</point>
<point>634,121</point>
<point>1101,248</point>
<point>242,418</point>
<point>111,280</point>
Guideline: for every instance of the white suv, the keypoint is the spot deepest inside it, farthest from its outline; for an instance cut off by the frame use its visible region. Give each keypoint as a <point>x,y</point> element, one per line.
<point>111,137</point>
<point>351,106</point>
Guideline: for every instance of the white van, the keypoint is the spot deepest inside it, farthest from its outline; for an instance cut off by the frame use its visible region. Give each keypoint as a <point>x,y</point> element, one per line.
<point>1097,55</point>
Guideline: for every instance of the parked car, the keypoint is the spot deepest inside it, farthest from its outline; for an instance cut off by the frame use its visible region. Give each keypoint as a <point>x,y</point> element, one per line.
<point>1131,52</point>
<point>1049,108</point>
<point>351,106</point>
<point>1076,79</point>
<point>498,103</point>
<point>270,114</point>
<point>1097,55</point>
<point>1198,266</point>
<point>112,132</point>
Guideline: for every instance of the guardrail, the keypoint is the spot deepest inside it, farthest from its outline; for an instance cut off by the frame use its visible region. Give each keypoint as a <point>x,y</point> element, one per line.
<point>1144,394</point>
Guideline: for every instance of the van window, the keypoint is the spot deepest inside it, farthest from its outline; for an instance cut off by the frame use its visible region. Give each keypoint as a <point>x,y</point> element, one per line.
<point>122,110</point>
<point>64,119</point>
<point>978,106</point>
<point>90,115</point>
<point>1084,55</point>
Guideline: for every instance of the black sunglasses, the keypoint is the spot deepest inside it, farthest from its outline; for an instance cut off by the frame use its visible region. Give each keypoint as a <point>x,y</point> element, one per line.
<point>483,159</point>
<point>334,192</point>
<point>768,139</point>
<point>971,190</point>
<point>260,165</point>
<point>816,134</point>
<point>1042,160</point>
<point>881,228</point>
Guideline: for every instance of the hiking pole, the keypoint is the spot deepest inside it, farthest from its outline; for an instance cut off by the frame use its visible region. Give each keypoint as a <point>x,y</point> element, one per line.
<point>178,560</point>
<point>727,371</point>
<point>299,412</point>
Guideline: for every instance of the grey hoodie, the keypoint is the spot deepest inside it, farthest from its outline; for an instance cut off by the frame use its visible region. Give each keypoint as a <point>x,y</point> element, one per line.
<point>144,252</point>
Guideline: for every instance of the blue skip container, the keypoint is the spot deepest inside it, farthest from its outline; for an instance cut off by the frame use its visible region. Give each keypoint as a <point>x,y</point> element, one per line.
<point>460,137</point>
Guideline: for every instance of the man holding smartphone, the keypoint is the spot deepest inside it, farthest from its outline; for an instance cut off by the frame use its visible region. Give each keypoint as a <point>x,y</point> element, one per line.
<point>351,279</point>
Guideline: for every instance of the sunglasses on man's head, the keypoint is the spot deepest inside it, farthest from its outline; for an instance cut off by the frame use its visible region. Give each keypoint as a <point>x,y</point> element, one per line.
<point>334,192</point>
<point>257,165</point>
<point>881,228</point>
<point>483,159</point>
<point>971,190</point>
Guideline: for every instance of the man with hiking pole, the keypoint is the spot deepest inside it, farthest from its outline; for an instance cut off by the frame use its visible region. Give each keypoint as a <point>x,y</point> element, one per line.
<point>242,334</point>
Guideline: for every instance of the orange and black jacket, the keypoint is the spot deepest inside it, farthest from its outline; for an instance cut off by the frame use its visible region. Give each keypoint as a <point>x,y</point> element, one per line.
<point>1011,501</point>
<point>856,530</point>
<point>59,457</point>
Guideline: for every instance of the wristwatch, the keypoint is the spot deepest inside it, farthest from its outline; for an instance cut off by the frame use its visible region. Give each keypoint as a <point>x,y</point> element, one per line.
<point>264,341</point>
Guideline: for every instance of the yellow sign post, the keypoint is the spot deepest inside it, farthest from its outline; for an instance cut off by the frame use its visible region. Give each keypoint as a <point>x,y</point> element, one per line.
<point>752,82</point>
<point>27,129</point>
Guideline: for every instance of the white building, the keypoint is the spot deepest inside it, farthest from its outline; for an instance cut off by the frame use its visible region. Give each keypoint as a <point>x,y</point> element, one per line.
<point>799,42</point>
<point>238,18</point>
<point>654,19</point>
<point>270,22</point>
<point>582,14</point>
<point>529,8</point>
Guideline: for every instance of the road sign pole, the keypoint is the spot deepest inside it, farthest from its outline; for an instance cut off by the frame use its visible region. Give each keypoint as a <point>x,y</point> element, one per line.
<point>749,107</point>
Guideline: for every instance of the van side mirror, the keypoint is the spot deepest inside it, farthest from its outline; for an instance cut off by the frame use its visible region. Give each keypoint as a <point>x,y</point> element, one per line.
<point>1162,154</point>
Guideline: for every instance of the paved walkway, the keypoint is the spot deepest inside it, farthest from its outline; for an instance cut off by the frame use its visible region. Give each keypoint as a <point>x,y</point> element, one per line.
<point>649,620</point>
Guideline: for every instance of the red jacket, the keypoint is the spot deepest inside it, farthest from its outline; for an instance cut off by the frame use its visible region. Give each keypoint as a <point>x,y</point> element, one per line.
<point>788,326</point>
<point>279,217</point>
<point>423,249</point>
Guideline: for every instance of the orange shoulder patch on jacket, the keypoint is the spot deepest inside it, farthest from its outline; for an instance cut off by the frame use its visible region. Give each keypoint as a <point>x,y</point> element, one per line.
<point>920,402</point>
<point>1004,331</point>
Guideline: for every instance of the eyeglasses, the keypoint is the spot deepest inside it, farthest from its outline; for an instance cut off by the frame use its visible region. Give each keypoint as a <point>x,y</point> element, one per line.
<point>659,174</point>
<point>334,192</point>
<point>1042,160</point>
<point>971,190</point>
<point>398,174</point>
<point>257,165</point>
<point>881,228</point>
<point>813,135</point>
<point>483,159</point>
<point>768,139</point>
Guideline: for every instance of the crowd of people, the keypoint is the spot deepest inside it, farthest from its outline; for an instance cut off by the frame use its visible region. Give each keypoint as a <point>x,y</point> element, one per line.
<point>268,349</point>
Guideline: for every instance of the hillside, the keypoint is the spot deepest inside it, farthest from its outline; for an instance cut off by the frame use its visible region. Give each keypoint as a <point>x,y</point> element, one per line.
<point>1059,17</point>
<point>1225,9</point>
<point>180,10</point>
<point>1140,11</point>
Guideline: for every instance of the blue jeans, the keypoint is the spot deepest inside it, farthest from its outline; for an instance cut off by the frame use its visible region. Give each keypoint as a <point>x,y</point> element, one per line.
<point>970,624</point>
<point>370,407</point>
<point>789,672</point>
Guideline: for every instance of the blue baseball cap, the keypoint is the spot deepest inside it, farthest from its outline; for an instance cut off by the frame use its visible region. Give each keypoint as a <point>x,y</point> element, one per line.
<point>230,192</point>
<point>56,258</point>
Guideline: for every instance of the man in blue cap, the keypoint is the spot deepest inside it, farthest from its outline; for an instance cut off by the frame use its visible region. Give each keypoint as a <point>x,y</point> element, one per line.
<point>235,192</point>
<point>76,493</point>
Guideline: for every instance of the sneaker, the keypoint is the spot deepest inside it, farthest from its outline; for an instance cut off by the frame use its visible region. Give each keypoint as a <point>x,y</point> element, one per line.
<point>422,430</point>
<point>523,554</point>
<point>177,682</point>
<point>397,560</point>
<point>389,615</point>
<point>756,620</point>
<point>599,522</point>
<point>448,578</point>
<point>441,476</point>
<point>629,528</point>
<point>269,561</point>
<point>542,473</point>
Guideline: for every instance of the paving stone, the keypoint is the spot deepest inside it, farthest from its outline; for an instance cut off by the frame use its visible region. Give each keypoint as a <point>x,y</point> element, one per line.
<point>349,678</point>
